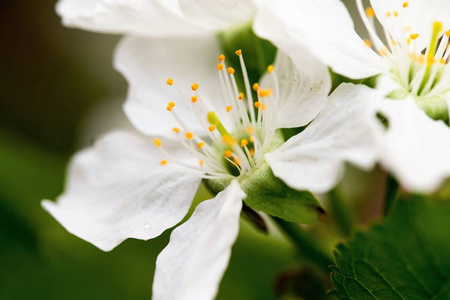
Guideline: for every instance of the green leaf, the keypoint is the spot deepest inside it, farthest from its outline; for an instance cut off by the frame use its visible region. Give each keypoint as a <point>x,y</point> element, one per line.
<point>407,257</point>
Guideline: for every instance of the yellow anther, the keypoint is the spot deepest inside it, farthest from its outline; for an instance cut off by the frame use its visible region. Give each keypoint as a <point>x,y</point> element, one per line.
<point>169,81</point>
<point>230,70</point>
<point>252,152</point>
<point>212,128</point>
<point>244,142</point>
<point>263,107</point>
<point>228,153</point>
<point>238,52</point>
<point>229,108</point>
<point>442,61</point>
<point>394,42</point>
<point>447,33</point>
<point>258,104</point>
<point>408,41</point>
<point>383,52</point>
<point>157,142</point>
<point>237,161</point>
<point>370,12</point>
<point>194,99</point>
<point>414,36</point>
<point>249,130</point>
<point>171,104</point>
<point>169,108</point>
<point>176,129</point>
<point>388,14</point>
<point>195,86</point>
<point>221,57</point>
<point>405,4</point>
<point>241,96</point>
<point>163,162</point>
<point>270,68</point>
<point>368,43</point>
<point>189,135</point>
<point>219,67</point>
<point>255,86</point>
<point>200,145</point>
<point>252,139</point>
<point>227,139</point>
<point>200,162</point>
<point>264,93</point>
<point>395,13</point>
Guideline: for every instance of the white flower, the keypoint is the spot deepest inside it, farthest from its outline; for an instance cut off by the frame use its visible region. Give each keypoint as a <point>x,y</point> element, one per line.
<point>409,51</point>
<point>126,186</point>
<point>155,17</point>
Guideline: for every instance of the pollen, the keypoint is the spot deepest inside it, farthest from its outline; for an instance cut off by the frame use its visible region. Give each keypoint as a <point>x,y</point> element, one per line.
<point>219,67</point>
<point>370,12</point>
<point>414,36</point>
<point>255,86</point>
<point>405,4</point>
<point>258,104</point>
<point>270,69</point>
<point>189,135</point>
<point>169,81</point>
<point>195,86</point>
<point>228,153</point>
<point>241,96</point>
<point>157,142</point>
<point>238,52</point>
<point>176,129</point>
<point>264,93</point>
<point>163,162</point>
<point>221,57</point>
<point>230,70</point>
<point>229,108</point>
<point>200,145</point>
<point>244,142</point>
<point>212,128</point>
<point>194,99</point>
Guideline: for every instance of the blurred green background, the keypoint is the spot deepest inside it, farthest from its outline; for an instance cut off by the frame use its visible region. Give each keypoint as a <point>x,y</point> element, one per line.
<point>58,91</point>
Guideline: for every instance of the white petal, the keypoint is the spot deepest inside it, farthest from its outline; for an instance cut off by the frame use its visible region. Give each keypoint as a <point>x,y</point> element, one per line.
<point>148,63</point>
<point>218,14</point>
<point>117,190</point>
<point>137,17</point>
<point>314,159</point>
<point>414,147</point>
<point>325,27</point>
<point>302,88</point>
<point>192,265</point>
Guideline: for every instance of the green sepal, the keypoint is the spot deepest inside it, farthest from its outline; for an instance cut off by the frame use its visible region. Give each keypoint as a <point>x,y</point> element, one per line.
<point>268,194</point>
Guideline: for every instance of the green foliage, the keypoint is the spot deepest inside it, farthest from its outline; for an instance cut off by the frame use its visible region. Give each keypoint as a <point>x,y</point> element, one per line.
<point>407,257</point>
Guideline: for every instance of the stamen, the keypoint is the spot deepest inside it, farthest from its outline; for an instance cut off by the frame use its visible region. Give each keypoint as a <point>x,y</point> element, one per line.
<point>244,142</point>
<point>228,153</point>
<point>219,67</point>
<point>255,86</point>
<point>238,52</point>
<point>229,108</point>
<point>163,162</point>
<point>194,99</point>
<point>221,57</point>
<point>157,142</point>
<point>169,81</point>
<point>370,12</point>
<point>241,96</point>
<point>200,145</point>
<point>176,130</point>
<point>195,86</point>
<point>414,36</point>
<point>405,4</point>
<point>230,70</point>
<point>189,135</point>
<point>212,128</point>
<point>270,68</point>
<point>200,162</point>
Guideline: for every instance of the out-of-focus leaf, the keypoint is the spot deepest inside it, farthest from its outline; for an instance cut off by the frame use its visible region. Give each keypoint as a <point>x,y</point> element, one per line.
<point>407,257</point>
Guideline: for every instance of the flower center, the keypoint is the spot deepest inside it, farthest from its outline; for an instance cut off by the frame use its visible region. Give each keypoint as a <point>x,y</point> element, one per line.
<point>236,144</point>
<point>419,62</point>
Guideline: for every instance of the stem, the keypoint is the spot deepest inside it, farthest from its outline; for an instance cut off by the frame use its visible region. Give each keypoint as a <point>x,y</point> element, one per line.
<point>305,244</point>
<point>341,212</point>
<point>390,195</point>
